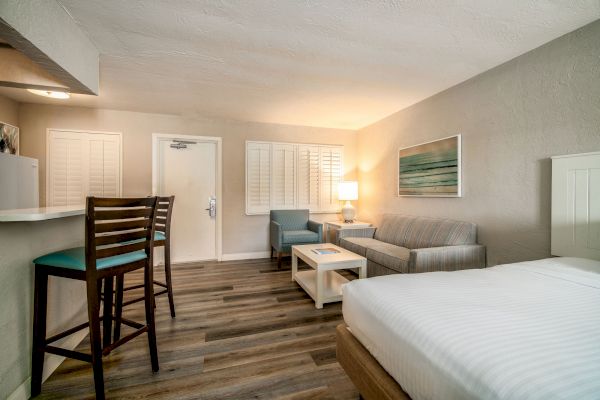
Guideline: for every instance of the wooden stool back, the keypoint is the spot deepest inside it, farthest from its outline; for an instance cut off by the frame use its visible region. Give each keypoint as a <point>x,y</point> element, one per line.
<point>119,237</point>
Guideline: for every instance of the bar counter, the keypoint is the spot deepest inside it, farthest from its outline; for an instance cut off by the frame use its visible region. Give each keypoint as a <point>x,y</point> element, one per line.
<point>24,235</point>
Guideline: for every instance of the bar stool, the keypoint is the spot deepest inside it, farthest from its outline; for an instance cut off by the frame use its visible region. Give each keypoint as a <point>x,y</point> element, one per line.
<point>119,235</point>
<point>162,237</point>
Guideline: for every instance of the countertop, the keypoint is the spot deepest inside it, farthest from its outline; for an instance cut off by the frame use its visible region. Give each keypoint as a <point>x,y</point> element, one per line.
<point>40,214</point>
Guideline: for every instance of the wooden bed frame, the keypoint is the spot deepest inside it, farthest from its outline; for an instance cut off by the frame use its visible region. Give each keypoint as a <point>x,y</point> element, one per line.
<point>372,381</point>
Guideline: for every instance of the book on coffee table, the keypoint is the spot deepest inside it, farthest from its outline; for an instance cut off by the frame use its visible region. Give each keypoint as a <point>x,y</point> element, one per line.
<point>328,250</point>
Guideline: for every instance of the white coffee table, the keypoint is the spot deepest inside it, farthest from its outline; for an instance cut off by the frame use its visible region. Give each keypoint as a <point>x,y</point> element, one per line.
<point>322,283</point>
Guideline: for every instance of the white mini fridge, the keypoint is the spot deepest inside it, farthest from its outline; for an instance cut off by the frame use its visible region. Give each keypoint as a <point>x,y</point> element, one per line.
<point>19,182</point>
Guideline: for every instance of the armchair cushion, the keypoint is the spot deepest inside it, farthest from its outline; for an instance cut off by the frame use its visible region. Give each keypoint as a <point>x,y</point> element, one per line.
<point>292,220</point>
<point>300,236</point>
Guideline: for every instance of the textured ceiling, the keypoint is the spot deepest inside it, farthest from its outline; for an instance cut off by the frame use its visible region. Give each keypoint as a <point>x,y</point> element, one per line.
<point>329,63</point>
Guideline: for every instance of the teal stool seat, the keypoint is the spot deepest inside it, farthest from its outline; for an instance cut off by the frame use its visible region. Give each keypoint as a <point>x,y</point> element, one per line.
<point>159,236</point>
<point>75,259</point>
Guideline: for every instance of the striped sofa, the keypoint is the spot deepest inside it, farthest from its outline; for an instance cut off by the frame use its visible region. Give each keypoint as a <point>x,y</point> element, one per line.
<point>408,244</point>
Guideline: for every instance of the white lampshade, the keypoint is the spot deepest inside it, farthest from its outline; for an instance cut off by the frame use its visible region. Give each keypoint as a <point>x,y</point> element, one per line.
<point>348,190</point>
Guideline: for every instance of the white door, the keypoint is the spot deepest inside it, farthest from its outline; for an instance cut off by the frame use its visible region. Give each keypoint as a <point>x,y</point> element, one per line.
<point>187,169</point>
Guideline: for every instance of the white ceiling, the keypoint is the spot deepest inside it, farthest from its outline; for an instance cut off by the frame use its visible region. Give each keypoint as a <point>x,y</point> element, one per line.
<point>328,63</point>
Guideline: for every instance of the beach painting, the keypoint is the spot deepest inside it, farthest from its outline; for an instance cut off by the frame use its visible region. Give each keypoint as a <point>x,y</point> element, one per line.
<point>430,169</point>
<point>9,139</point>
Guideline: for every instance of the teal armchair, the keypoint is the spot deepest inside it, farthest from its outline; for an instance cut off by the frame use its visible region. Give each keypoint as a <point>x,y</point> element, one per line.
<point>292,227</point>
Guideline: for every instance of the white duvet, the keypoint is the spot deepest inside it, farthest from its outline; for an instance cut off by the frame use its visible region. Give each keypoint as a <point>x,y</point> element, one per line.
<point>528,330</point>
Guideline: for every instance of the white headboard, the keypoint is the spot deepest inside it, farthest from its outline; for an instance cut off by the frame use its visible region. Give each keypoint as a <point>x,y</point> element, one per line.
<point>576,205</point>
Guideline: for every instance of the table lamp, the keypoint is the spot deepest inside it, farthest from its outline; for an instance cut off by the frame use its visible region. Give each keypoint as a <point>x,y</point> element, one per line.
<point>348,191</point>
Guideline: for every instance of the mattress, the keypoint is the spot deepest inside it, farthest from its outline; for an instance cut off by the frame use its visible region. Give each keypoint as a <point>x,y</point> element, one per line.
<point>528,330</point>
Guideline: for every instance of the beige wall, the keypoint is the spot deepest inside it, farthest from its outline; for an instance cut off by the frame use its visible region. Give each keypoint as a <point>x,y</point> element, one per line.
<point>512,118</point>
<point>241,233</point>
<point>9,111</point>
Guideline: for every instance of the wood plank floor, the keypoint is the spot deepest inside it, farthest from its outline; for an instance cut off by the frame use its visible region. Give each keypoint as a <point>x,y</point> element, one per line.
<point>243,331</point>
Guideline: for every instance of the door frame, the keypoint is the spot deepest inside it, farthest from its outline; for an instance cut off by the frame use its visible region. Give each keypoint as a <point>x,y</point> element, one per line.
<point>86,131</point>
<point>156,137</point>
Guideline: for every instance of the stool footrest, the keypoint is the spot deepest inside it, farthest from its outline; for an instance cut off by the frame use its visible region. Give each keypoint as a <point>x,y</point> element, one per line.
<point>160,284</point>
<point>124,340</point>
<point>131,323</point>
<point>69,353</point>
<point>138,299</point>
<point>68,332</point>
<point>141,285</point>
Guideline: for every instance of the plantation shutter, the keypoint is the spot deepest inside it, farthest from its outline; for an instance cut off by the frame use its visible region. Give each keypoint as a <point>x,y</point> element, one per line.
<point>292,176</point>
<point>308,177</point>
<point>65,184</point>
<point>331,175</point>
<point>258,178</point>
<point>283,193</point>
<point>82,164</point>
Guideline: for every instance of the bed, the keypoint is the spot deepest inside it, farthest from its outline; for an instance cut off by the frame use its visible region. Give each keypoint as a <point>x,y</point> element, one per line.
<point>529,330</point>
<point>523,330</point>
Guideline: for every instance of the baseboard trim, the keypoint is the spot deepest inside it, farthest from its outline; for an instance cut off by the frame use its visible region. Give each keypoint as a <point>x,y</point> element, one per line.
<point>23,392</point>
<point>51,363</point>
<point>246,256</point>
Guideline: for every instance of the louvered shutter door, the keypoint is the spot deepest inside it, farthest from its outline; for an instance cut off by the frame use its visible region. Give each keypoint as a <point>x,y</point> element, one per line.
<point>96,167</point>
<point>66,183</point>
<point>283,193</point>
<point>258,178</point>
<point>331,175</point>
<point>104,165</point>
<point>112,166</point>
<point>82,164</point>
<point>308,177</point>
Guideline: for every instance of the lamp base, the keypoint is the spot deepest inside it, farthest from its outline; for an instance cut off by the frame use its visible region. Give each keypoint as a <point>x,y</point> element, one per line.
<point>348,212</point>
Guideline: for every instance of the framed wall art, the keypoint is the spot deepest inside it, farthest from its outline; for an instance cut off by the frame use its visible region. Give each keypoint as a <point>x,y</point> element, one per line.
<point>431,169</point>
<point>9,139</point>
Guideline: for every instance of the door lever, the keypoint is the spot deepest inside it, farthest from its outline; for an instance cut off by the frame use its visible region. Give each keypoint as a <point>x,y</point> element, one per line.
<point>212,207</point>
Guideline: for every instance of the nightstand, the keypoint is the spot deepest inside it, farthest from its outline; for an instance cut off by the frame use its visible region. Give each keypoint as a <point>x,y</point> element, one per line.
<point>332,227</point>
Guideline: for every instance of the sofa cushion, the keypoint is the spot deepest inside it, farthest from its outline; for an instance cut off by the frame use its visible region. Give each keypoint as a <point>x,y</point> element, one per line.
<point>430,232</point>
<point>358,245</point>
<point>390,256</point>
<point>422,232</point>
<point>300,236</point>
<point>394,229</point>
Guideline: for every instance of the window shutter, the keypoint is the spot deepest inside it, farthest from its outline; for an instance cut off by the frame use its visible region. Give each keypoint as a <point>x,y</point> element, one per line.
<point>308,177</point>
<point>283,194</point>
<point>258,178</point>
<point>290,176</point>
<point>331,175</point>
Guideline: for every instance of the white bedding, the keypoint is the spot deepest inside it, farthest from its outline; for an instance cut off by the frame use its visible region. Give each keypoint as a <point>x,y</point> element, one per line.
<point>529,330</point>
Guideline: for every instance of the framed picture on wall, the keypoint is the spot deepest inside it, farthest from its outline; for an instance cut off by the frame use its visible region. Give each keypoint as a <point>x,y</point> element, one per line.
<point>9,139</point>
<point>431,169</point>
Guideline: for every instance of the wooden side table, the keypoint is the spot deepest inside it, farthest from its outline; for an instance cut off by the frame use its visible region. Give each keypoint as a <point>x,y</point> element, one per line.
<point>334,226</point>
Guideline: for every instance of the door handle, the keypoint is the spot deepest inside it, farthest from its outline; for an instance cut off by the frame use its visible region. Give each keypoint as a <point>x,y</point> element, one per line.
<point>212,206</point>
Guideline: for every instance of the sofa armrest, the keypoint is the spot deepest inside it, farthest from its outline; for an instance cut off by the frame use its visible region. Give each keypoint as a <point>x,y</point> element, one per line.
<point>276,235</point>
<point>356,232</point>
<point>316,227</point>
<point>447,258</point>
